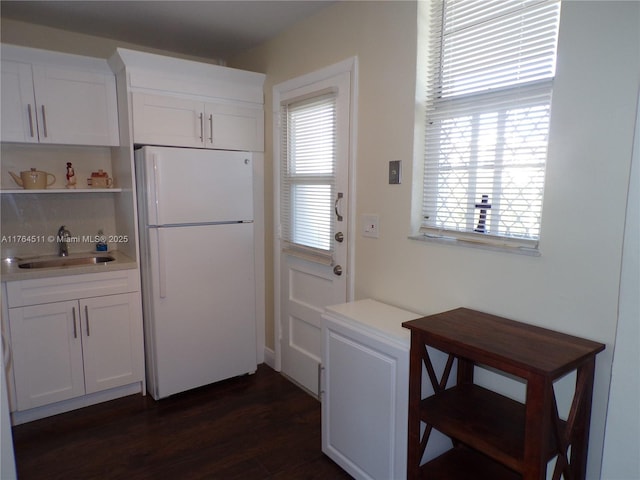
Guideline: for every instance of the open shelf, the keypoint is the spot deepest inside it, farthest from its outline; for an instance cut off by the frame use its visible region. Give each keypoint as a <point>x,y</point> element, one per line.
<point>60,190</point>
<point>485,420</point>
<point>462,463</point>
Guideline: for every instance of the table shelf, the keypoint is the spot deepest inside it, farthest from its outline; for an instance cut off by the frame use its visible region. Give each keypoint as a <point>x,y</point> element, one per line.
<point>462,463</point>
<point>483,420</point>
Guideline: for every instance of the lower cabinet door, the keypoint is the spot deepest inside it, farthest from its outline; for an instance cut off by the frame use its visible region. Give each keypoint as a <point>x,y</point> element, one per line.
<point>111,337</point>
<point>46,352</point>
<point>364,404</point>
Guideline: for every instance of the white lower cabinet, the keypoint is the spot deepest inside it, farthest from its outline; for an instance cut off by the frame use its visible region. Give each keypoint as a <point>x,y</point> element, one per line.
<point>61,350</point>
<point>365,387</point>
<point>365,390</point>
<point>65,349</point>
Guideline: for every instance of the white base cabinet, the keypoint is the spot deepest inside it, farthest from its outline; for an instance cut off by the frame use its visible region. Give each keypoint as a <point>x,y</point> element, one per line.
<point>78,346</point>
<point>365,386</point>
<point>65,349</point>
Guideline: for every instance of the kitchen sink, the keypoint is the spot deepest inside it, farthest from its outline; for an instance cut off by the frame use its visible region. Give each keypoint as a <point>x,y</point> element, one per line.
<point>66,261</point>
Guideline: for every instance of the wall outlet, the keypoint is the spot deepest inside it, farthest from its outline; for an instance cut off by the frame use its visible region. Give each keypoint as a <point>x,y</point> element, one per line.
<point>370,225</point>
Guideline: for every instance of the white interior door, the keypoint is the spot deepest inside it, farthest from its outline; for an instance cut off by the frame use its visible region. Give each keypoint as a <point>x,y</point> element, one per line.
<point>312,251</point>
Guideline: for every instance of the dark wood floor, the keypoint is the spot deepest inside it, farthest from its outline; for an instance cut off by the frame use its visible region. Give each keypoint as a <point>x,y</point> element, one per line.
<point>253,427</point>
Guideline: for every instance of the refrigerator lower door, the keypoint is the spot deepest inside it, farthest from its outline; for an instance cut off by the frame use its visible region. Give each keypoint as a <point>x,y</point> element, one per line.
<point>200,312</point>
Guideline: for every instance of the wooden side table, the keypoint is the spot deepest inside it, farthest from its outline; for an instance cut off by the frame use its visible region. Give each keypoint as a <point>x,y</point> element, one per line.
<point>493,436</point>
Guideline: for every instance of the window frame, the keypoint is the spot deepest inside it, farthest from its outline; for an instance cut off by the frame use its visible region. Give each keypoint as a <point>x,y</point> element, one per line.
<point>425,228</point>
<point>290,179</point>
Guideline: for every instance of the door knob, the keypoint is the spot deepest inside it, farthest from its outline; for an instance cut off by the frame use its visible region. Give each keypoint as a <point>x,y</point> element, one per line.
<point>339,237</point>
<point>337,270</point>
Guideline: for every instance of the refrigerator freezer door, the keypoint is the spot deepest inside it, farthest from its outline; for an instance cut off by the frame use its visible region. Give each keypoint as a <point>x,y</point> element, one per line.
<point>202,313</point>
<point>188,186</point>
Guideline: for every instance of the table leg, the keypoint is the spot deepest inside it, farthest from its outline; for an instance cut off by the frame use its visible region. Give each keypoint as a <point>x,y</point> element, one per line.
<point>579,436</point>
<point>415,394</point>
<point>537,427</point>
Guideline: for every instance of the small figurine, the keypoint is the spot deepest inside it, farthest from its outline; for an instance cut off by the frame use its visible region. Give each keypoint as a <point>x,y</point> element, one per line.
<point>71,176</point>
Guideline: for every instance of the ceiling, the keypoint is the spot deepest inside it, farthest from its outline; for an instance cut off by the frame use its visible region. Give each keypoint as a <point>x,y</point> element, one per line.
<point>208,29</point>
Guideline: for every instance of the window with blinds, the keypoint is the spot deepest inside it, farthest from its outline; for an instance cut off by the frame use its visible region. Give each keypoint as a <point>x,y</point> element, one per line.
<point>491,67</point>
<point>308,172</point>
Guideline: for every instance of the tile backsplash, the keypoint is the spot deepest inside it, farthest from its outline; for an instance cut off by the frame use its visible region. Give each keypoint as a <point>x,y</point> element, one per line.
<point>30,222</point>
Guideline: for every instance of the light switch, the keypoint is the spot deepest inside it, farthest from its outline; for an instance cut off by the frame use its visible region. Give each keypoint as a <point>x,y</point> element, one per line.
<point>394,172</point>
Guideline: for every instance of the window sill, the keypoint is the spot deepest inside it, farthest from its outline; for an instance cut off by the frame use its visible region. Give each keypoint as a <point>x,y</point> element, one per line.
<point>527,251</point>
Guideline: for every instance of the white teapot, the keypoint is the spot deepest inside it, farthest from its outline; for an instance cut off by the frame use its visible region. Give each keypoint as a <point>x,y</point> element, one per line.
<point>33,179</point>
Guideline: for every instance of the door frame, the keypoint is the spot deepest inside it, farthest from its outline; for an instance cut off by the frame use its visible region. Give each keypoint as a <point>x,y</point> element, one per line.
<point>349,65</point>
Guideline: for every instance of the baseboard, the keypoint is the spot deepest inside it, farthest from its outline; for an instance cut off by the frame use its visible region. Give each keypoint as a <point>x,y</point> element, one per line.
<point>18,418</point>
<point>270,357</point>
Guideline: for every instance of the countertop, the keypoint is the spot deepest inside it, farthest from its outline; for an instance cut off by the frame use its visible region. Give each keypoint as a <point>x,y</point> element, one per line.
<point>376,317</point>
<point>11,272</point>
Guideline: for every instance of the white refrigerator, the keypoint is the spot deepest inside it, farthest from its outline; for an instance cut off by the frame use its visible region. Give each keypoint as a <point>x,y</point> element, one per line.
<point>197,260</point>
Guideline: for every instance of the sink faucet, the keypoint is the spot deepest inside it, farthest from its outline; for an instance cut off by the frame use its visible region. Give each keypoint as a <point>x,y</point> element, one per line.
<point>62,238</point>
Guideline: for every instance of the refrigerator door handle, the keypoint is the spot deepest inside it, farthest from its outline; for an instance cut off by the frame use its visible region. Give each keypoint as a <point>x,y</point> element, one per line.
<point>162,268</point>
<point>156,189</point>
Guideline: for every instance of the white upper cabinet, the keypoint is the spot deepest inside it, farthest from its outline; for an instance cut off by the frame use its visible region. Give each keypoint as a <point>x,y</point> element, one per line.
<point>166,120</point>
<point>55,99</point>
<point>182,103</point>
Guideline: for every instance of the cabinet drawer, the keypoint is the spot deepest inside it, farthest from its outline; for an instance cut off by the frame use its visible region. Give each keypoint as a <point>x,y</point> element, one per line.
<point>55,289</point>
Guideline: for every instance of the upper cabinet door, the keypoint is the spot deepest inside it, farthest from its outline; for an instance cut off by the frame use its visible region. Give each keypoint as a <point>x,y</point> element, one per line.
<point>18,103</point>
<point>170,121</point>
<point>233,127</point>
<point>75,107</point>
<point>46,104</point>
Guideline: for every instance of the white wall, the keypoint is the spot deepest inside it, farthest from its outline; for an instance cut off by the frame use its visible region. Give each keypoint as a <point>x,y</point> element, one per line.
<point>47,38</point>
<point>621,460</point>
<point>573,287</point>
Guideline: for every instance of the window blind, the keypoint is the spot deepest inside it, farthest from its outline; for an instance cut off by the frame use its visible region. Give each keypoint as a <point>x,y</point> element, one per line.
<point>488,105</point>
<point>308,171</point>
